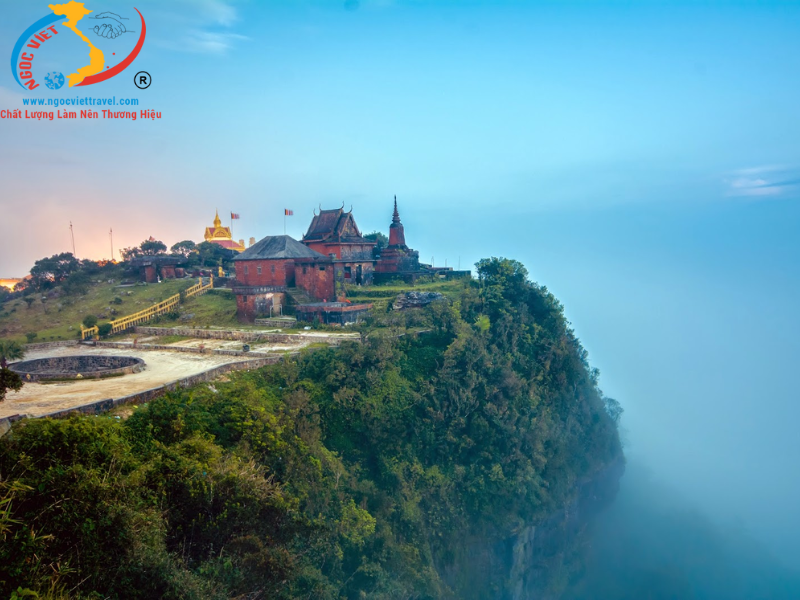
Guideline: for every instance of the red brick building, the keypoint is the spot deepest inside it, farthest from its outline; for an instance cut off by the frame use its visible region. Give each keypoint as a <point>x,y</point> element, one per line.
<point>334,233</point>
<point>397,257</point>
<point>267,269</point>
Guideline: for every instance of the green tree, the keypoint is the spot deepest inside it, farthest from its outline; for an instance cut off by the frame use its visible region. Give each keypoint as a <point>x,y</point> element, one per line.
<point>152,247</point>
<point>10,350</point>
<point>130,253</point>
<point>29,300</point>
<point>184,248</point>
<point>377,236</point>
<point>9,380</point>
<point>89,321</point>
<point>211,255</point>
<point>30,336</point>
<point>49,272</point>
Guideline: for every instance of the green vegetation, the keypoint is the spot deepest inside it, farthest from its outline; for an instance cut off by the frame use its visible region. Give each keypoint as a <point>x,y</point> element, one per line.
<point>61,317</point>
<point>357,472</point>
<point>215,307</point>
<point>383,295</point>
<point>9,351</point>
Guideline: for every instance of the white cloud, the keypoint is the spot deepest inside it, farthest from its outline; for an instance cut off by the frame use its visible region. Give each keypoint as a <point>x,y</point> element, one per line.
<point>210,42</point>
<point>762,181</point>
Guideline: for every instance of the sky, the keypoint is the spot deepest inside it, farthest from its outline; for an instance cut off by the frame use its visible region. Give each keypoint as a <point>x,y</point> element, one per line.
<point>642,159</point>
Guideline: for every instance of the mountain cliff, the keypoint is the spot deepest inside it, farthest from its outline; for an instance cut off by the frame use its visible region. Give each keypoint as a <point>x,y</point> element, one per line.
<point>459,451</point>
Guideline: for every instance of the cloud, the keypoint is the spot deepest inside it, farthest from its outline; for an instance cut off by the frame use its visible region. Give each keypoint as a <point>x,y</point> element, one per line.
<point>762,181</point>
<point>210,42</point>
<point>204,27</point>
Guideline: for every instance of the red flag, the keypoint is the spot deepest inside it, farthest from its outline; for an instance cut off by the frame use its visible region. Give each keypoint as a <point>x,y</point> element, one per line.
<point>234,216</point>
<point>288,212</point>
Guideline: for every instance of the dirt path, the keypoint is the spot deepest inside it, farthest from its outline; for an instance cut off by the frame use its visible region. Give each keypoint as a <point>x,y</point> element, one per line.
<point>161,368</point>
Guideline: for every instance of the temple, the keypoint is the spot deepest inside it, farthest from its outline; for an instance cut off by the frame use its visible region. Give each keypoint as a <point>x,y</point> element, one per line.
<point>334,233</point>
<point>398,259</point>
<point>313,274</point>
<point>222,236</point>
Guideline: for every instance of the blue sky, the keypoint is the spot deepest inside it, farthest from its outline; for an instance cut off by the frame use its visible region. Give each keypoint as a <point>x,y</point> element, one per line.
<point>641,159</point>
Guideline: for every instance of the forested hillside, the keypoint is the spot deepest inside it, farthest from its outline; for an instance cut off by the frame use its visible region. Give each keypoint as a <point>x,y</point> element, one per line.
<point>355,472</point>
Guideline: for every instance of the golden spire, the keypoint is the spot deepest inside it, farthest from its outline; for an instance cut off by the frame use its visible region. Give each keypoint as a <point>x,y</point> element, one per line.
<point>217,222</point>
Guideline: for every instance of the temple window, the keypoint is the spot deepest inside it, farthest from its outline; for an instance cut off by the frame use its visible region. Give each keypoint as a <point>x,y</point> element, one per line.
<point>259,269</point>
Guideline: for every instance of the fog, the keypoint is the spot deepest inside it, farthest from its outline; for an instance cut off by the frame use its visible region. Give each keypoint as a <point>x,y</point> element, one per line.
<point>654,545</point>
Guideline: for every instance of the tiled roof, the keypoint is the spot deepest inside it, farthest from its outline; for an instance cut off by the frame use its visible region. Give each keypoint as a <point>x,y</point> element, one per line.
<point>276,247</point>
<point>334,226</point>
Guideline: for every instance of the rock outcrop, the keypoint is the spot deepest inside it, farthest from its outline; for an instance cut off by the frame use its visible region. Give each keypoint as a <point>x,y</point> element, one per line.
<point>415,300</point>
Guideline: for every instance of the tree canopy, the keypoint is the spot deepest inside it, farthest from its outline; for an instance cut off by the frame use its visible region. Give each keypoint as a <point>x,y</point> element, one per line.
<point>184,248</point>
<point>364,471</point>
<point>49,272</point>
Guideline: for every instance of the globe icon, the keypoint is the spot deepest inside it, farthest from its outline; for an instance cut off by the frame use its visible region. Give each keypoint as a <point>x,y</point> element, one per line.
<point>54,80</point>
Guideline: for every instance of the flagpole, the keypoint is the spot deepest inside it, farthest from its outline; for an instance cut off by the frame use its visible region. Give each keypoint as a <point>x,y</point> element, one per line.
<point>284,221</point>
<point>111,239</point>
<point>72,235</point>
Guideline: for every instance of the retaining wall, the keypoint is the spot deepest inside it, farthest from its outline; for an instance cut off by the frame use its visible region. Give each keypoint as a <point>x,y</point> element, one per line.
<point>47,345</point>
<point>128,346</point>
<point>99,406</point>
<point>243,336</point>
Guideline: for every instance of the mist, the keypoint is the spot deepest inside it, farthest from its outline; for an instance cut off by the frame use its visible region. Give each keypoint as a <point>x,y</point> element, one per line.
<point>653,544</point>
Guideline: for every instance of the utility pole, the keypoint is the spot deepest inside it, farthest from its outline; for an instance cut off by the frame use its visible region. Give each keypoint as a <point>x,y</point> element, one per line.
<point>72,235</point>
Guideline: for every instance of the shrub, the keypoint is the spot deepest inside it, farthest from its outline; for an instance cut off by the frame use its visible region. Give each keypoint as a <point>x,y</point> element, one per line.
<point>31,335</point>
<point>89,321</point>
<point>104,329</point>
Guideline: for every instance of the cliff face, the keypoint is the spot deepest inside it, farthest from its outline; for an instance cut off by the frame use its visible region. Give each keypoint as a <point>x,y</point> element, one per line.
<point>536,562</point>
<point>465,463</point>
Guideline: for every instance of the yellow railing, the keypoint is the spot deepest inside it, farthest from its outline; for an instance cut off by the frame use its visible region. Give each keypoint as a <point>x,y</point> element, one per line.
<point>198,288</point>
<point>161,308</point>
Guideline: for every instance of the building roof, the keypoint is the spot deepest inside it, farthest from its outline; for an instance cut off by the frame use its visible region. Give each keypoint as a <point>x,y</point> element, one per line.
<point>229,244</point>
<point>278,247</point>
<point>334,226</point>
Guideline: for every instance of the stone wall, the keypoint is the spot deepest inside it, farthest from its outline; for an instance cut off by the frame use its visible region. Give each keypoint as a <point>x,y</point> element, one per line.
<point>99,406</point>
<point>48,345</point>
<point>76,367</point>
<point>241,336</point>
<point>189,349</point>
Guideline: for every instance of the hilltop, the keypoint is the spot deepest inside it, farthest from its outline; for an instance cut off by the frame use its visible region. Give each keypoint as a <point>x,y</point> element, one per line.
<point>460,462</point>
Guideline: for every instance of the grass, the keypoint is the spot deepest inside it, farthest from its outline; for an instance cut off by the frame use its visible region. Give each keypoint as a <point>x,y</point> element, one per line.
<point>382,295</point>
<point>216,308</point>
<point>60,318</point>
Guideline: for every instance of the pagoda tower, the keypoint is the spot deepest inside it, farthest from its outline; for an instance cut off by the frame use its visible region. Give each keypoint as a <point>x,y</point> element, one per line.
<point>397,257</point>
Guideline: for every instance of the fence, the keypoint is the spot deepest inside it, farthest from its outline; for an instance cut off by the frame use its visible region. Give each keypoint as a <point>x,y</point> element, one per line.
<point>166,306</point>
